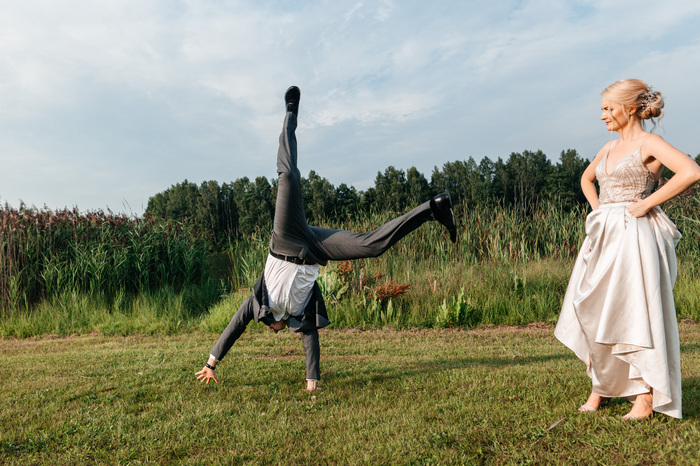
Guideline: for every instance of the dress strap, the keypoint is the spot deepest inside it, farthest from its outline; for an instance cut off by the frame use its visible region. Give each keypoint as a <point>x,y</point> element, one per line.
<point>605,158</point>
<point>639,149</point>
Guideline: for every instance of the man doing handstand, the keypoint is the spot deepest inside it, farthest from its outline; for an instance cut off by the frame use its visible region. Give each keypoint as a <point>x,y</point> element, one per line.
<point>287,295</point>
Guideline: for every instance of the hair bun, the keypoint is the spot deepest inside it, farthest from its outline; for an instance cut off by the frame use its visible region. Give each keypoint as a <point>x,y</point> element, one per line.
<point>651,105</point>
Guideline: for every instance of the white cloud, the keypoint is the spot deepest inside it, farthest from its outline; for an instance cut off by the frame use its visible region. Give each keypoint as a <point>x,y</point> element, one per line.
<point>107,103</point>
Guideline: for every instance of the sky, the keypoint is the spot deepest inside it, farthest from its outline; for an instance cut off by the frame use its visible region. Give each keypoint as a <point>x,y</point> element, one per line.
<point>105,104</point>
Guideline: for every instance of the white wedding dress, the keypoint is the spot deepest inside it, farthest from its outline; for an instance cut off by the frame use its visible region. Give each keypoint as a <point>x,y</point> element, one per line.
<point>618,314</point>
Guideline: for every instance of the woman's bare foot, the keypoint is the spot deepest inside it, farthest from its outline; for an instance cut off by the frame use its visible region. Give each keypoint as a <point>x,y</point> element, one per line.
<point>641,409</point>
<point>592,404</point>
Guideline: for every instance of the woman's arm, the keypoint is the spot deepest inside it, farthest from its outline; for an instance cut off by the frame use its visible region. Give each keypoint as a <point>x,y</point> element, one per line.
<point>588,179</point>
<point>687,173</point>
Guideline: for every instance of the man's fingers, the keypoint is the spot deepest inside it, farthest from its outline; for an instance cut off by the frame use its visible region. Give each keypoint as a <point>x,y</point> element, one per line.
<point>202,376</point>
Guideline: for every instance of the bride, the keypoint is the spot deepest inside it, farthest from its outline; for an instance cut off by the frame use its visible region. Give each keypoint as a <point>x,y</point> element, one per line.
<point>618,314</point>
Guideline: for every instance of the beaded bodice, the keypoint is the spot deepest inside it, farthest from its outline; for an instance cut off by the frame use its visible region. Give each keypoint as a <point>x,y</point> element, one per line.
<point>628,181</point>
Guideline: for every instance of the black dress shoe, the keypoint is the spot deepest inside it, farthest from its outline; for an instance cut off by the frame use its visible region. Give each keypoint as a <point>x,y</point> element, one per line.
<point>441,206</point>
<point>291,99</point>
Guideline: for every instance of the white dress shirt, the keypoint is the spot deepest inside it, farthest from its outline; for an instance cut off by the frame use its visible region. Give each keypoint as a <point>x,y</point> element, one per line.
<point>288,286</point>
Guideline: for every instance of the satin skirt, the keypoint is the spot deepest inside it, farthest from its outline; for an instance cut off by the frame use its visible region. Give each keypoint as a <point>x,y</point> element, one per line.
<point>618,314</point>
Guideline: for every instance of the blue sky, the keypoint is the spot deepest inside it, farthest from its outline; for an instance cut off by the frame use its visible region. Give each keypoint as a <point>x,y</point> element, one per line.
<point>104,104</point>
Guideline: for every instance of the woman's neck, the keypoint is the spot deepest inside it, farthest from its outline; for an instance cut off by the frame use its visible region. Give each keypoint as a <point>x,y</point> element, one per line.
<point>631,131</point>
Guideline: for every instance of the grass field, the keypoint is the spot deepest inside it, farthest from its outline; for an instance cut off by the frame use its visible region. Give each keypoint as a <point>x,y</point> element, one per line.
<point>495,395</point>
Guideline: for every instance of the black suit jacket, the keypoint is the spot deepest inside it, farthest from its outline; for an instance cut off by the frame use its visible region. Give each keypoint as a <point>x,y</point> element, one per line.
<point>255,307</point>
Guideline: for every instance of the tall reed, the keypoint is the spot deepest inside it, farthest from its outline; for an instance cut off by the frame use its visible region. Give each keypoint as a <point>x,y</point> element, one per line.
<point>44,254</point>
<point>506,268</point>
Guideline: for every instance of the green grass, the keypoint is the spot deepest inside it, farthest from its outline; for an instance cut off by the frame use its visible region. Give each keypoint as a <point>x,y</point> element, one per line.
<point>163,311</point>
<point>486,395</point>
<point>452,294</point>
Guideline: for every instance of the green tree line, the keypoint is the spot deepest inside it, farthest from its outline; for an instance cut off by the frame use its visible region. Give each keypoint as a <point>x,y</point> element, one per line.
<point>244,207</point>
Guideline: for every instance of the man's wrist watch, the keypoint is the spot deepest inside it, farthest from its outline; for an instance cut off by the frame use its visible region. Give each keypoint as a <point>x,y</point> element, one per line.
<point>210,366</point>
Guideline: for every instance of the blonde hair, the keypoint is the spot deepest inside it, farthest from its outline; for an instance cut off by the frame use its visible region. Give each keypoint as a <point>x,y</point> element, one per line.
<point>635,93</point>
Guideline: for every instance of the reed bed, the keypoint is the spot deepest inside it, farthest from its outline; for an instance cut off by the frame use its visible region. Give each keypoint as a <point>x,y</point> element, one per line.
<point>48,255</point>
<point>506,268</point>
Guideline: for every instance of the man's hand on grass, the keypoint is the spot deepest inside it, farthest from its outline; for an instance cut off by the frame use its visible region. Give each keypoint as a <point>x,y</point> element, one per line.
<point>311,386</point>
<point>206,374</point>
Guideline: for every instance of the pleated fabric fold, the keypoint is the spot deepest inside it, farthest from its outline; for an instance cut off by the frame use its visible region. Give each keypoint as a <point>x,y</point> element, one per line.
<point>618,314</point>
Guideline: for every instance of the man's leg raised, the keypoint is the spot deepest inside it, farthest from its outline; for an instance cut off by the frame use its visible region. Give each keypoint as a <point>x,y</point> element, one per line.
<point>346,245</point>
<point>290,235</point>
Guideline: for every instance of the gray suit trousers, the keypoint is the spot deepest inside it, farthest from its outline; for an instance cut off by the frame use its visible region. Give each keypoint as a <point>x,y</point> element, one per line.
<point>291,236</point>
